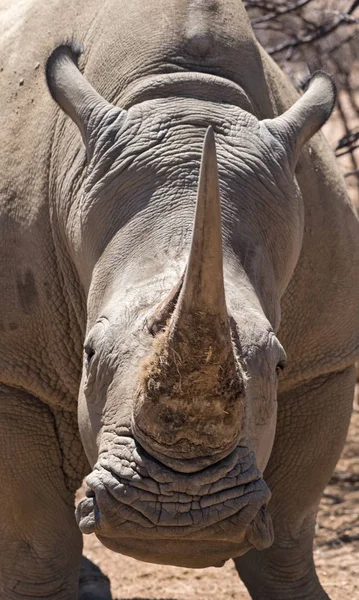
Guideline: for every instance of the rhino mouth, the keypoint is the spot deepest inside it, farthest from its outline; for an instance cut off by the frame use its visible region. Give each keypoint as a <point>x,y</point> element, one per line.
<point>139,507</point>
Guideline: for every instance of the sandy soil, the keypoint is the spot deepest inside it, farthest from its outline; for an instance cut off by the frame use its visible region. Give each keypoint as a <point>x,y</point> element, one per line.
<point>336,549</point>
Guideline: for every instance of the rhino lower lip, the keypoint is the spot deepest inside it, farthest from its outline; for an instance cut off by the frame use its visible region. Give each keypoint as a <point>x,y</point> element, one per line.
<point>249,526</point>
<point>224,502</point>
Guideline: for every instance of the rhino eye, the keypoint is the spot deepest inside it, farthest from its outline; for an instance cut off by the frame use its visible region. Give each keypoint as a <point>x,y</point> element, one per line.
<point>89,353</point>
<point>280,367</point>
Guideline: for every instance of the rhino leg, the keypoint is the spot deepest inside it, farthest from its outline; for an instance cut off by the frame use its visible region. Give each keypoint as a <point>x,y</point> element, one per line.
<point>93,584</point>
<point>312,424</point>
<point>40,544</point>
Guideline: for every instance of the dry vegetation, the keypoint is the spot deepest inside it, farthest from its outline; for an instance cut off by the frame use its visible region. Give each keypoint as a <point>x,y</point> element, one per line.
<point>306,35</point>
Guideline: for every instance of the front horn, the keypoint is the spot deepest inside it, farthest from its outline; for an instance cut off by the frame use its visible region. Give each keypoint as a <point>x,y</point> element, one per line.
<point>203,287</point>
<point>190,405</point>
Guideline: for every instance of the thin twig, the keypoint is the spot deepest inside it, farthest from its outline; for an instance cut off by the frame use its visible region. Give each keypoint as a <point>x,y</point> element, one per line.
<point>343,42</point>
<point>349,151</point>
<point>321,31</point>
<point>280,11</point>
<point>347,140</point>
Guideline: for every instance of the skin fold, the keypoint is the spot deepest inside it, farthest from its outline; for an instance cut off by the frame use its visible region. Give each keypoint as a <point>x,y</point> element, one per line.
<point>178,297</point>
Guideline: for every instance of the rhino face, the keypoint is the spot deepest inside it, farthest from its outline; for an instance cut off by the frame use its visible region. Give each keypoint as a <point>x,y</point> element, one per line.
<point>184,252</point>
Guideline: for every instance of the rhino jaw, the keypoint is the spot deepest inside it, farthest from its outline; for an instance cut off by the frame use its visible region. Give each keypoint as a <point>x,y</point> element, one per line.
<point>146,510</point>
<point>190,401</point>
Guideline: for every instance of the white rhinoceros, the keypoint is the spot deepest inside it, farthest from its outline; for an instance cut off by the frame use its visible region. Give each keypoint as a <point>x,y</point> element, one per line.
<point>160,238</point>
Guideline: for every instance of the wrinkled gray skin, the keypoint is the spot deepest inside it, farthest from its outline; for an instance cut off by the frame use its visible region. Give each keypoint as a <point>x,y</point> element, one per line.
<point>97,230</point>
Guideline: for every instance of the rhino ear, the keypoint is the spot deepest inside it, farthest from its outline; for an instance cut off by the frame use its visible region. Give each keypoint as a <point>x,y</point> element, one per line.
<point>73,93</point>
<point>300,122</point>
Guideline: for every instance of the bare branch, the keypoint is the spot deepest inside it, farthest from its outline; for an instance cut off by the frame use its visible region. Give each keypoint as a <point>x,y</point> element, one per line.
<point>341,43</point>
<point>307,35</point>
<point>320,32</point>
<point>347,140</point>
<point>279,11</point>
<point>349,151</point>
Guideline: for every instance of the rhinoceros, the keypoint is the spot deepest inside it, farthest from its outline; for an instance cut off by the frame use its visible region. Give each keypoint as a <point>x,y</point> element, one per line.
<point>179,297</point>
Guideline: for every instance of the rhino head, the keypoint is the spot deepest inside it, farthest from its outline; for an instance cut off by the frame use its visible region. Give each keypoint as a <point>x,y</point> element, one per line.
<point>185,234</point>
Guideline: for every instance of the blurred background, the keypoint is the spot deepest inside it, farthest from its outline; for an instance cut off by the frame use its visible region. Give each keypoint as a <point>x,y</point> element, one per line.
<point>303,36</point>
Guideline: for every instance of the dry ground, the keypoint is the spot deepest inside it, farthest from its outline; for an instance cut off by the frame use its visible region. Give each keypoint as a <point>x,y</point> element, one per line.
<point>336,549</point>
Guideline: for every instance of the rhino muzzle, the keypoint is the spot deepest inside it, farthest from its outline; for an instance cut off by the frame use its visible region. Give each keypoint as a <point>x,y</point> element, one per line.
<point>190,400</point>
<point>141,508</point>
